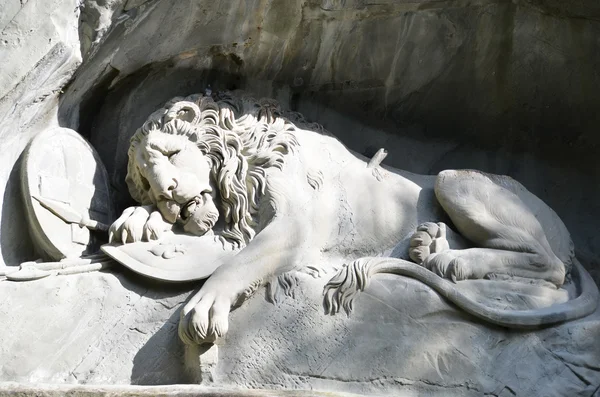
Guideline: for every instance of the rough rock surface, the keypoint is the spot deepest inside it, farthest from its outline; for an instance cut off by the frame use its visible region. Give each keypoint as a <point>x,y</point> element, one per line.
<point>401,339</point>
<point>52,390</point>
<point>95,328</point>
<point>39,52</point>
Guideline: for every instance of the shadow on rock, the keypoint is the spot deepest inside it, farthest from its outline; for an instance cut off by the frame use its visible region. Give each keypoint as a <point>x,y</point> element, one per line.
<point>161,359</point>
<point>15,243</point>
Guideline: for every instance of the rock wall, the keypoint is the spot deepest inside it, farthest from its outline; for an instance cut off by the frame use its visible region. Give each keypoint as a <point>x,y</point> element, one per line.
<point>39,52</point>
<point>518,79</point>
<point>517,75</point>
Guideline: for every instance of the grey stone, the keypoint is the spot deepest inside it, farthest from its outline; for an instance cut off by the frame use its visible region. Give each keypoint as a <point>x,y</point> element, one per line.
<point>51,390</point>
<point>505,87</point>
<point>124,331</point>
<point>28,109</point>
<point>115,332</point>
<point>29,31</point>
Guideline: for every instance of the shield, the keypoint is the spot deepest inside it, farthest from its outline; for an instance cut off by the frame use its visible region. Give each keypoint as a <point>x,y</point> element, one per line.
<point>175,257</point>
<point>59,166</point>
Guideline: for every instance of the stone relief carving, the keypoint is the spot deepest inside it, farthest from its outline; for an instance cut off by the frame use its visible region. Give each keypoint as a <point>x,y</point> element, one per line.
<point>67,201</point>
<point>236,188</point>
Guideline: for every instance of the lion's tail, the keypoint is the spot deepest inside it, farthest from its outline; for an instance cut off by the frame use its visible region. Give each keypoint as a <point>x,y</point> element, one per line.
<point>353,278</point>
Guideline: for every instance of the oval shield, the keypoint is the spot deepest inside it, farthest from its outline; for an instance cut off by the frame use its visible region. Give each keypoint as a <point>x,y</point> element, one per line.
<point>64,185</point>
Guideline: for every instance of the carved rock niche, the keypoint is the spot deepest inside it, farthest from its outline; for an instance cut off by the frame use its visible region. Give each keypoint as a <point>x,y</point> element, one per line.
<point>299,198</point>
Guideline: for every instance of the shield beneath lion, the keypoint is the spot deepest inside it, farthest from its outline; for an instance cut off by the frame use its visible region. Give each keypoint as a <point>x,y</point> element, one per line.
<point>175,257</point>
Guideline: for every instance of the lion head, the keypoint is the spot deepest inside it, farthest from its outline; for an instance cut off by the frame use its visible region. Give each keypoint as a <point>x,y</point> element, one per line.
<point>200,158</point>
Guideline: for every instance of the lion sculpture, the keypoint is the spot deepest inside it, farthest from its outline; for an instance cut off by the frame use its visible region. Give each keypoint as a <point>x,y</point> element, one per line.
<point>288,195</point>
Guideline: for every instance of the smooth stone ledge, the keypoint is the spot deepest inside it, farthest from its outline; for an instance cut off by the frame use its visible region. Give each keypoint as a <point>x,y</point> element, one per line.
<point>51,390</point>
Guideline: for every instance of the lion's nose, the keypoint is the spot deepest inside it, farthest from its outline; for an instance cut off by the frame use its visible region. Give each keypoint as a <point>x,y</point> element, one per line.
<point>173,185</point>
<point>169,188</point>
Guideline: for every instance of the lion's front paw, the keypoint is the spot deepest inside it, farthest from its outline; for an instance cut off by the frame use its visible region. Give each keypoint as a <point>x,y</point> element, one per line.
<point>138,224</point>
<point>204,319</point>
<point>155,227</point>
<point>430,238</point>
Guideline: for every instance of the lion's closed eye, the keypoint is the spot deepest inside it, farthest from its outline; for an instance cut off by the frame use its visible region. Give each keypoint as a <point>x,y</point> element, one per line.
<point>171,154</point>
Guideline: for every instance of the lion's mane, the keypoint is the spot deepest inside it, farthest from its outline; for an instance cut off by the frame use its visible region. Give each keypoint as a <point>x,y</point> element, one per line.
<point>240,135</point>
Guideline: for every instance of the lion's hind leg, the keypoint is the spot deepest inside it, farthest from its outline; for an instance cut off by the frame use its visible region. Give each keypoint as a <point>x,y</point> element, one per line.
<point>508,237</point>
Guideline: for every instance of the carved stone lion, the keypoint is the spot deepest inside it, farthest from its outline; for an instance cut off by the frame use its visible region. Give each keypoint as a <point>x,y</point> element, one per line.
<point>290,195</point>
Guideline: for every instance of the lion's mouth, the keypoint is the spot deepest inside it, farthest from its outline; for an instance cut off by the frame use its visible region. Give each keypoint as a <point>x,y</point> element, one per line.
<point>189,208</point>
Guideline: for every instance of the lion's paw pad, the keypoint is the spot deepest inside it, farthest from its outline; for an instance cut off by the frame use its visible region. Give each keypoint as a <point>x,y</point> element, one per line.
<point>429,238</point>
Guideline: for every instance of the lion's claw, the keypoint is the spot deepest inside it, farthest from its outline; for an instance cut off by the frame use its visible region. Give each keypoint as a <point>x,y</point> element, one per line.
<point>430,238</point>
<point>219,321</point>
<point>430,228</point>
<point>124,236</point>
<point>138,224</point>
<point>457,270</point>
